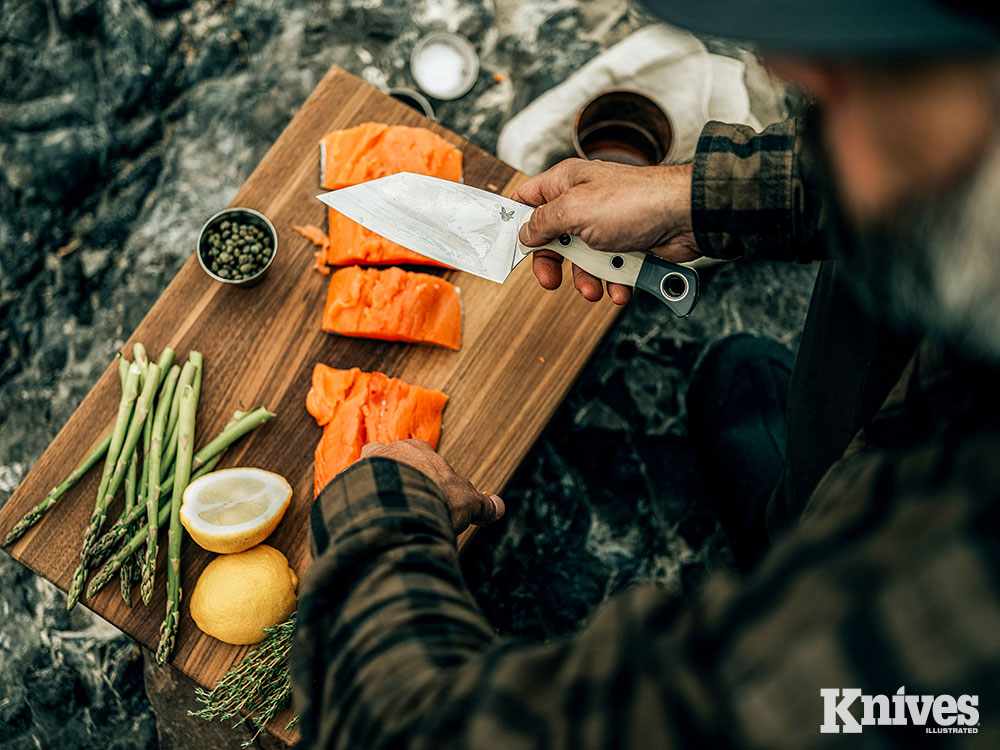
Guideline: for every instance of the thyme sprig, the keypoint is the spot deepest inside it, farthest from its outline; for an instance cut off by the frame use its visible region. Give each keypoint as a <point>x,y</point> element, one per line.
<point>255,689</point>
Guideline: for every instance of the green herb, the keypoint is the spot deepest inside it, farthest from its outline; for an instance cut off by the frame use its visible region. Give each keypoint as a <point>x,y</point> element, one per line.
<point>257,688</point>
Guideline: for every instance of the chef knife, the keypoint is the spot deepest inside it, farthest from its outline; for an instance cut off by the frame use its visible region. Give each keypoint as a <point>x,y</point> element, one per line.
<point>476,231</point>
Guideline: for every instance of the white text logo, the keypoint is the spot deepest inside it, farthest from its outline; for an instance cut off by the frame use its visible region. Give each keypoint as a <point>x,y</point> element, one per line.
<point>961,714</point>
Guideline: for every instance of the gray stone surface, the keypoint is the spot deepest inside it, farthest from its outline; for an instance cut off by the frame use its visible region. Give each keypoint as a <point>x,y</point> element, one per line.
<point>123,124</point>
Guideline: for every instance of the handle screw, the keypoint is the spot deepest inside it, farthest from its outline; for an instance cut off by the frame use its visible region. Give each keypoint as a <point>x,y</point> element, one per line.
<point>565,239</point>
<point>674,286</point>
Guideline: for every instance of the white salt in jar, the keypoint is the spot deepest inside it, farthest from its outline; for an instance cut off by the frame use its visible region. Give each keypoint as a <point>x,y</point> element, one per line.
<point>444,65</point>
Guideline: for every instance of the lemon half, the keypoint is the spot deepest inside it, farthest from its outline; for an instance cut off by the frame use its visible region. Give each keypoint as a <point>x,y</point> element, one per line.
<point>231,510</point>
<point>238,595</point>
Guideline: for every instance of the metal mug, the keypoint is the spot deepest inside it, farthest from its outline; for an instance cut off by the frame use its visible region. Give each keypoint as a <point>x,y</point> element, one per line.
<point>623,126</point>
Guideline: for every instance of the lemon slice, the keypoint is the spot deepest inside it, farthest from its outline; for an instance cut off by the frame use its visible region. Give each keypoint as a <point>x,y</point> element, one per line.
<point>231,510</point>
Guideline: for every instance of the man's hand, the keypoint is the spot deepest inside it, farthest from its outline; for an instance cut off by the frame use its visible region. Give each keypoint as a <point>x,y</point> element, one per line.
<point>612,207</point>
<point>467,505</point>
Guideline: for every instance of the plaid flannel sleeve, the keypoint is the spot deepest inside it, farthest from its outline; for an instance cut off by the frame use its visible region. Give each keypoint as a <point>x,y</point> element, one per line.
<point>756,196</point>
<point>391,651</point>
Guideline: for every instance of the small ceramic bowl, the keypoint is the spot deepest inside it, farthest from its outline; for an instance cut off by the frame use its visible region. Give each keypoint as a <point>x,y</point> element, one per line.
<point>241,216</point>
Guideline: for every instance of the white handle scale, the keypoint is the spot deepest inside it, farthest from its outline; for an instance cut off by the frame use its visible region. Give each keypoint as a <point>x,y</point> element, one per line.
<point>674,285</point>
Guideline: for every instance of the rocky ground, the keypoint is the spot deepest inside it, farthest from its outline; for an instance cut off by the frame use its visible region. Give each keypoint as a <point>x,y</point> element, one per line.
<point>123,123</point>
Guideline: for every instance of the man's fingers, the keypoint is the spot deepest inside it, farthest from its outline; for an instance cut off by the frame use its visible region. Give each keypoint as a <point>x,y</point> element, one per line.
<point>588,285</point>
<point>547,267</point>
<point>498,506</point>
<point>534,192</point>
<point>619,293</point>
<point>370,448</point>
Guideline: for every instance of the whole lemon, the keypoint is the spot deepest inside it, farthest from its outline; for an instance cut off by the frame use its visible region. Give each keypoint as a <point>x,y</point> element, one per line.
<point>237,595</point>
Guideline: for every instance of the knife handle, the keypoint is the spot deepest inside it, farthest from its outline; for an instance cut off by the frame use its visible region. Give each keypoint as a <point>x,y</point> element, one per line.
<point>674,285</point>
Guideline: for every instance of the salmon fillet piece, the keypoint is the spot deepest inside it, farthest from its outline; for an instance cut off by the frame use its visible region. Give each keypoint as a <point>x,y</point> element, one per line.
<point>319,238</point>
<point>355,408</point>
<point>374,149</point>
<point>393,305</point>
<point>367,152</point>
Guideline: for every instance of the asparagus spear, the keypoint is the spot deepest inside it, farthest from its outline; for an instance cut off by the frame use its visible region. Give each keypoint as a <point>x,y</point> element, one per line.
<point>164,397</point>
<point>128,570</point>
<point>139,357</point>
<point>143,490</point>
<point>129,564</point>
<point>164,363</point>
<point>34,515</point>
<point>187,378</point>
<point>110,460</point>
<point>153,488</point>
<point>242,424</point>
<point>185,456</point>
<point>199,367</point>
<point>114,563</point>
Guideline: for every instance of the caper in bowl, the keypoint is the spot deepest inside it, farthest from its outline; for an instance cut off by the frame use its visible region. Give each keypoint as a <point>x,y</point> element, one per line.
<point>237,246</point>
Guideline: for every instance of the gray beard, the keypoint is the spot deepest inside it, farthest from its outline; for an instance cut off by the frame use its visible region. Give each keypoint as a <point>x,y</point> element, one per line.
<point>934,266</point>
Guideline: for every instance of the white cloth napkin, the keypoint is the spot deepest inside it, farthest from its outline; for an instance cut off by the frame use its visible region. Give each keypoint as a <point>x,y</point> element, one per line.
<point>670,66</point>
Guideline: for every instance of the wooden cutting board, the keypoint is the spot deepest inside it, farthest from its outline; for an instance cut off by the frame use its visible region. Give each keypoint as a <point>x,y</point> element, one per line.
<point>522,348</point>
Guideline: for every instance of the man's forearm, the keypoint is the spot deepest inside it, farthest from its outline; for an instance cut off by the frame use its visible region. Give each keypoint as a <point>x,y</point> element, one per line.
<point>384,615</point>
<point>756,195</point>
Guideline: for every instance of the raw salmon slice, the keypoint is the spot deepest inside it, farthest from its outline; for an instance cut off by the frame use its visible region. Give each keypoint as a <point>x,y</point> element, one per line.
<point>356,407</point>
<point>367,152</point>
<point>374,149</point>
<point>393,305</point>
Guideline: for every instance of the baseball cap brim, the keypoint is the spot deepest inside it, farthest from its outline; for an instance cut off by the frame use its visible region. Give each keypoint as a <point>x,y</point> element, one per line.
<point>859,28</point>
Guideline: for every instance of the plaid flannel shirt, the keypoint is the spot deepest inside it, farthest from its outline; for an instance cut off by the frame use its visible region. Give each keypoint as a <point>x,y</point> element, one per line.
<point>757,196</point>
<point>889,582</point>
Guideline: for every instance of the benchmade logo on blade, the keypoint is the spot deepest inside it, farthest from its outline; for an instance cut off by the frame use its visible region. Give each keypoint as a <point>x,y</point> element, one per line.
<point>951,715</point>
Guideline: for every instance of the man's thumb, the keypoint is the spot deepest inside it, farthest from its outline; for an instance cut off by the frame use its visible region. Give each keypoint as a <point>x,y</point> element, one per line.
<point>543,226</point>
<point>491,509</point>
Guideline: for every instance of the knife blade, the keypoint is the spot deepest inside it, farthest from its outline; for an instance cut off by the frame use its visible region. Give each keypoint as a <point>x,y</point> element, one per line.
<point>476,231</point>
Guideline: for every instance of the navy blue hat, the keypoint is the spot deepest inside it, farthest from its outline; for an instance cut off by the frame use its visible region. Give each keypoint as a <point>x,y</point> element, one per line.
<point>852,28</point>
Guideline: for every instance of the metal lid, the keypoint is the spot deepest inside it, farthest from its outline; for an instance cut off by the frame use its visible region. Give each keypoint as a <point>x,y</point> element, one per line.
<point>444,65</point>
